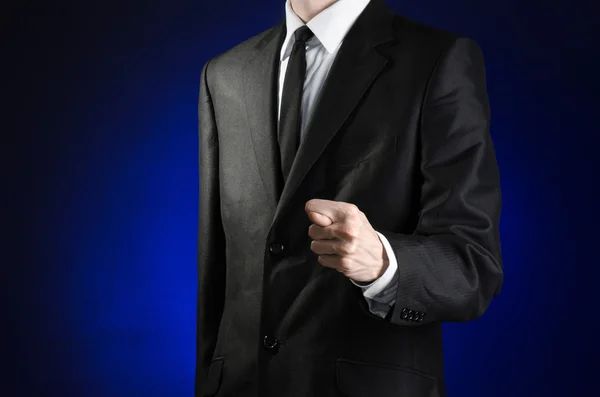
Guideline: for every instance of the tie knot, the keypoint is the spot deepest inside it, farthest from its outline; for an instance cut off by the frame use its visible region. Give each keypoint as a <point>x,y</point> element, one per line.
<point>303,33</point>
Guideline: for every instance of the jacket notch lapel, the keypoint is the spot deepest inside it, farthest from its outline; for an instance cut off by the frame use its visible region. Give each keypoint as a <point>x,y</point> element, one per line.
<point>357,65</point>
<point>260,97</point>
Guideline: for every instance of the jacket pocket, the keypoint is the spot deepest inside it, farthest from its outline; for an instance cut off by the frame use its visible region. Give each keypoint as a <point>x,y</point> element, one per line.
<point>213,379</point>
<point>360,379</point>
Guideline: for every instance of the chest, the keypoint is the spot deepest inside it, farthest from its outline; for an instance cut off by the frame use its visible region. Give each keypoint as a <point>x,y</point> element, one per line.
<point>318,66</point>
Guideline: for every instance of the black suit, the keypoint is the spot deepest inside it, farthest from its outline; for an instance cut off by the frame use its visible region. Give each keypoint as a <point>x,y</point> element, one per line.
<point>402,131</point>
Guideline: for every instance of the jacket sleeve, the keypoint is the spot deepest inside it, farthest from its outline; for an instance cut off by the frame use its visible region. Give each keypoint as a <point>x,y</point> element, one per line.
<point>211,238</point>
<point>450,268</point>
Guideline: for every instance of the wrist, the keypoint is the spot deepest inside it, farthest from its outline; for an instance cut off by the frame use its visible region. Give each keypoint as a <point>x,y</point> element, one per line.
<point>385,261</point>
<point>383,267</point>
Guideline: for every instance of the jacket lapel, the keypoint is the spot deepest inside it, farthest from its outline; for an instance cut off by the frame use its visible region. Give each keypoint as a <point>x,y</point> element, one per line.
<point>260,94</point>
<point>357,65</point>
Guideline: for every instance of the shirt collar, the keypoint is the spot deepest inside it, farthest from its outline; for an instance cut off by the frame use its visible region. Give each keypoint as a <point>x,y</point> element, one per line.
<point>329,26</point>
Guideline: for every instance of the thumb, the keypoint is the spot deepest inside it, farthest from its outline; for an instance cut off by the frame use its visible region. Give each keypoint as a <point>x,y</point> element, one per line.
<point>319,219</point>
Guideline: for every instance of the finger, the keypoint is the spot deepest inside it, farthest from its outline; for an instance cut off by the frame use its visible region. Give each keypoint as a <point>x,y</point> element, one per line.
<point>324,247</point>
<point>317,232</point>
<point>331,261</point>
<point>337,211</point>
<point>319,219</point>
<point>348,230</point>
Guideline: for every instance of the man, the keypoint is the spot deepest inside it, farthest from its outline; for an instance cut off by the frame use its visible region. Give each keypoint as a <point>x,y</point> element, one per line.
<point>349,204</point>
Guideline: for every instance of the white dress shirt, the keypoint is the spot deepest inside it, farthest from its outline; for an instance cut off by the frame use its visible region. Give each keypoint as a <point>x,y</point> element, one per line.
<point>330,27</point>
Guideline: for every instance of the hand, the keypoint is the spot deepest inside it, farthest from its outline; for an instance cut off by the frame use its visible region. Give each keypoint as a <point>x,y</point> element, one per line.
<point>344,240</point>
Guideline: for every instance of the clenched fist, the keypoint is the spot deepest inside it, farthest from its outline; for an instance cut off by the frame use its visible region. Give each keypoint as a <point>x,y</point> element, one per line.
<point>344,240</point>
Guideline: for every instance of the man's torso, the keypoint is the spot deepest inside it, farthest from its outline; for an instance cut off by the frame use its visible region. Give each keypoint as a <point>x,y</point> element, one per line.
<point>362,146</point>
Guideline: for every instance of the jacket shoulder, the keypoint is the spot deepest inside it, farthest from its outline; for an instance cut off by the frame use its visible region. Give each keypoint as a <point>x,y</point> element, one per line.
<point>422,36</point>
<point>227,65</point>
<point>239,53</point>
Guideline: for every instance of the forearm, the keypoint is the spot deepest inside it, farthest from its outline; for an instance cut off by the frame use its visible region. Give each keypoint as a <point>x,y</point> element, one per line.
<point>450,267</point>
<point>445,277</point>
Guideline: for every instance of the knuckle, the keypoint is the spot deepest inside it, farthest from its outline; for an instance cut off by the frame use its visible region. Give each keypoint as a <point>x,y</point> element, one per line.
<point>345,264</point>
<point>351,246</point>
<point>352,210</point>
<point>347,247</point>
<point>349,231</point>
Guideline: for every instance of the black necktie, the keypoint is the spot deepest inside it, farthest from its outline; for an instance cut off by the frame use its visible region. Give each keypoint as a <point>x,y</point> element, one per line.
<point>291,101</point>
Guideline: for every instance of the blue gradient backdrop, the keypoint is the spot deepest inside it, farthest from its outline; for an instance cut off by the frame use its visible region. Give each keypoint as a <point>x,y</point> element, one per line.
<point>98,269</point>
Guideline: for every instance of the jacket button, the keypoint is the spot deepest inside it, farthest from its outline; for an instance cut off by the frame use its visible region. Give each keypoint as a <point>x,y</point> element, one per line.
<point>404,314</point>
<point>276,248</point>
<point>271,344</point>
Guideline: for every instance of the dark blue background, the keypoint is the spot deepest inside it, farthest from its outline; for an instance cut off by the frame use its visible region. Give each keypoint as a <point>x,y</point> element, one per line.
<point>100,138</point>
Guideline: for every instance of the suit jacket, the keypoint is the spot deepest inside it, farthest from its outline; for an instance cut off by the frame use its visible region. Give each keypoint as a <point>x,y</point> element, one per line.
<point>401,130</point>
